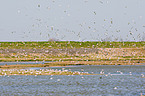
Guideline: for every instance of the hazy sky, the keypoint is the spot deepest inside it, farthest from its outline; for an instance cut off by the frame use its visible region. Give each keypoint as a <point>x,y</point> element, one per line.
<point>72,20</point>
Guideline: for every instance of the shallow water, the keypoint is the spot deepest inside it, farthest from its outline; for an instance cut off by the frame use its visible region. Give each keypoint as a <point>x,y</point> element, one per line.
<point>30,62</point>
<point>119,80</point>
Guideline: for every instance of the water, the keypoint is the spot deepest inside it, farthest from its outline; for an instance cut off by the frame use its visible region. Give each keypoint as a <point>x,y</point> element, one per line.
<point>30,62</point>
<point>33,62</point>
<point>120,80</point>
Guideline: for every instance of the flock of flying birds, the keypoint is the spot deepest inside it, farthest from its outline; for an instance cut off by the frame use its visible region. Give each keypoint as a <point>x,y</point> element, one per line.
<point>56,31</point>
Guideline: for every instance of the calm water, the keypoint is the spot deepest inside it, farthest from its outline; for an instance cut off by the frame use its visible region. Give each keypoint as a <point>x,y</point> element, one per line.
<point>30,62</point>
<point>121,80</point>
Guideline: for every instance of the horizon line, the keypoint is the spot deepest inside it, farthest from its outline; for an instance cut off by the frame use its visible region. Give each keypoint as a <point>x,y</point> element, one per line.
<point>71,40</point>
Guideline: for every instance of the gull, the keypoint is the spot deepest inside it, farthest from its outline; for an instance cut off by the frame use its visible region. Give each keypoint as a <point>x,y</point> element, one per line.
<point>115,87</point>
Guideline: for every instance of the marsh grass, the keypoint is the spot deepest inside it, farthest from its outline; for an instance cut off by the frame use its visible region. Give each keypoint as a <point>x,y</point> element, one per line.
<point>70,44</point>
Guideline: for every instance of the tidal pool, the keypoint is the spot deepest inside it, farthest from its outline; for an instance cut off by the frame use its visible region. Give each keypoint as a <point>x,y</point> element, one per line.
<point>117,80</point>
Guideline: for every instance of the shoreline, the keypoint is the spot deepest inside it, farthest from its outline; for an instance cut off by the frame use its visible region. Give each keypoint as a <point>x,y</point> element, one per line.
<point>25,69</point>
<point>71,63</point>
<point>8,72</point>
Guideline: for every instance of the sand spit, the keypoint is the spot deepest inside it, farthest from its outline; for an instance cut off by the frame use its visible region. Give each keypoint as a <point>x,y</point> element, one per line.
<point>4,72</point>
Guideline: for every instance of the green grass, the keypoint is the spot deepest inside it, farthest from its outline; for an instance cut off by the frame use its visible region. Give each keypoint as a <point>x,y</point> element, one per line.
<point>69,44</point>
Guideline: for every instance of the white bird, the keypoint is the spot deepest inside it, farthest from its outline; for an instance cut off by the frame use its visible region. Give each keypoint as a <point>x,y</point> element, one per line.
<point>115,88</point>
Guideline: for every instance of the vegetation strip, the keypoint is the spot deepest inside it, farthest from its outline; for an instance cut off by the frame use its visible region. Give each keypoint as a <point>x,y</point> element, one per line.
<point>70,44</point>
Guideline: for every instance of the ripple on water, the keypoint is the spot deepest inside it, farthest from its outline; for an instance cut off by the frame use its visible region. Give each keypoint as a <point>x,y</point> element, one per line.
<point>78,85</point>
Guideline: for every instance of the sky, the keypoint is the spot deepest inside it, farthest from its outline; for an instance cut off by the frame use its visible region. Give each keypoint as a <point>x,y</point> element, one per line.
<point>72,20</point>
